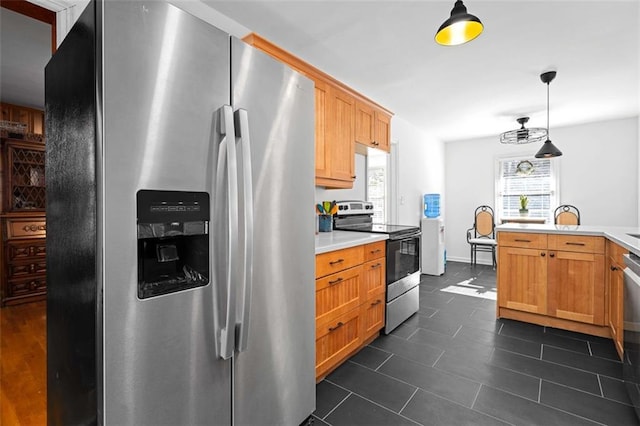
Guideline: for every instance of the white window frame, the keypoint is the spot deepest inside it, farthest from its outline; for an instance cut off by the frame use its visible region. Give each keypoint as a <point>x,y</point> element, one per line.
<point>554,184</point>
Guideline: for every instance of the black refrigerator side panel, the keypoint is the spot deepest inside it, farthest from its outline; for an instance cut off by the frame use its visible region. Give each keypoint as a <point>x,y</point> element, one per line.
<point>71,118</point>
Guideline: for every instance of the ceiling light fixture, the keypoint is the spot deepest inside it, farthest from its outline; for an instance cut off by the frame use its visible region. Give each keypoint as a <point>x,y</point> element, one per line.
<point>523,135</point>
<point>548,149</point>
<point>460,28</point>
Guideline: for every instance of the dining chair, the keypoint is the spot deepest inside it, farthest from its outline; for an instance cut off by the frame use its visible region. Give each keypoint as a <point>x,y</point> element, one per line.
<point>566,214</point>
<point>482,236</point>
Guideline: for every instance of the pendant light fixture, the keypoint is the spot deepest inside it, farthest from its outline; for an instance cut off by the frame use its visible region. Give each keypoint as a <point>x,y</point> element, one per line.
<point>523,135</point>
<point>548,149</point>
<point>460,28</point>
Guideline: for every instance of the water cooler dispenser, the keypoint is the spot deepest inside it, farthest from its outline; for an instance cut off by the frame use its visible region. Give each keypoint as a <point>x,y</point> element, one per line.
<point>432,251</point>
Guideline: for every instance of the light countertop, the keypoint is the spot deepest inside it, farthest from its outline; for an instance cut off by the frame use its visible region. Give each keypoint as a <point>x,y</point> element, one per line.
<point>336,240</point>
<point>617,234</point>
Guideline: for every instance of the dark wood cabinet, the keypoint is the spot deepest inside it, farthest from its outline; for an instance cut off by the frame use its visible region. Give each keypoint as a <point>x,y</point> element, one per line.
<point>22,220</point>
<point>32,119</point>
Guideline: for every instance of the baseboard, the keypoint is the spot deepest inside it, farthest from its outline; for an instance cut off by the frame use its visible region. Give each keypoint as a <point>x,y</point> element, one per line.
<point>468,260</point>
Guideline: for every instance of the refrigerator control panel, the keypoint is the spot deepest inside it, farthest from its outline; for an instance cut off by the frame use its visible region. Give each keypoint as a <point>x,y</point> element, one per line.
<point>173,241</point>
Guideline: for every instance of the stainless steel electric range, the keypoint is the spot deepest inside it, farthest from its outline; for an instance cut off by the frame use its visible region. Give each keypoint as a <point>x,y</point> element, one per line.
<point>403,258</point>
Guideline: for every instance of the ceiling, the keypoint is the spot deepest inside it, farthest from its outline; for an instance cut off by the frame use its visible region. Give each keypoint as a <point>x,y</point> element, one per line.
<point>385,50</point>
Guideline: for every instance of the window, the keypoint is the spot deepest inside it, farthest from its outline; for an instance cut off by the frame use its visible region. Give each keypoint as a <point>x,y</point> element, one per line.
<point>535,178</point>
<point>377,183</point>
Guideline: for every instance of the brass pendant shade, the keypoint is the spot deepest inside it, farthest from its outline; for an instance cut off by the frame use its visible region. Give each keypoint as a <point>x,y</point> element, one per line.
<point>548,149</point>
<point>460,28</point>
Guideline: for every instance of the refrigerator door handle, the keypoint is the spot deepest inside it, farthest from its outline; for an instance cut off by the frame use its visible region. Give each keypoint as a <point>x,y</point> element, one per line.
<point>247,207</point>
<point>227,168</point>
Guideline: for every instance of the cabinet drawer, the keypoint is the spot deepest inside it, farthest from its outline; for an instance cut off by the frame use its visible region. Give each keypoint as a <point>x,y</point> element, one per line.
<point>522,240</point>
<point>339,260</point>
<point>23,269</point>
<point>374,277</point>
<point>576,243</point>
<point>374,250</point>
<point>338,293</point>
<point>28,286</point>
<point>32,249</point>
<point>372,313</point>
<point>26,228</point>
<point>336,340</point>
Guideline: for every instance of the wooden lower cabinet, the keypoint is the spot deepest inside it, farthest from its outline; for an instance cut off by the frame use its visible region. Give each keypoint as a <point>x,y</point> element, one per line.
<point>576,286</point>
<point>338,293</point>
<point>372,313</point>
<point>553,280</point>
<point>522,279</point>
<point>24,269</point>
<point>336,340</point>
<point>615,294</point>
<point>350,302</point>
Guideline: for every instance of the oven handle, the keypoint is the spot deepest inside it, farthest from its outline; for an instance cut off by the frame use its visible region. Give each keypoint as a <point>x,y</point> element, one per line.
<point>405,236</point>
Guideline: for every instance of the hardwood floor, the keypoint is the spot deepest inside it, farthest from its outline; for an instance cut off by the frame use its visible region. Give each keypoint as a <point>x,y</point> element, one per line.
<point>23,370</point>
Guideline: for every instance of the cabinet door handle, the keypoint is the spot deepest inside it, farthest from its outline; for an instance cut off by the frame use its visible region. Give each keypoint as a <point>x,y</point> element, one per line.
<point>522,241</point>
<point>614,268</point>
<point>552,254</point>
<point>335,262</point>
<point>336,281</point>
<point>377,302</point>
<point>375,251</point>
<point>377,265</point>
<point>340,324</point>
<point>543,254</point>
<point>575,244</point>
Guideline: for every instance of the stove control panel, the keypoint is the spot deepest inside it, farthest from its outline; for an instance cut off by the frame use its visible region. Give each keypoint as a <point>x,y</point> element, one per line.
<point>354,207</point>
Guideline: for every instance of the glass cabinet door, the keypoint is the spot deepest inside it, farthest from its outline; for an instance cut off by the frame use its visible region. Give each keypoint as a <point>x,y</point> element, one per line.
<point>26,177</point>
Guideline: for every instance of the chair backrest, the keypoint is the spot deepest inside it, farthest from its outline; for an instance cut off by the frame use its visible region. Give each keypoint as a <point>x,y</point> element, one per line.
<point>566,214</point>
<point>484,224</point>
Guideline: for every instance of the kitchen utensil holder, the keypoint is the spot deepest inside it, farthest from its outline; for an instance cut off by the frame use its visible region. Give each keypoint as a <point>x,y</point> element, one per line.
<point>325,223</point>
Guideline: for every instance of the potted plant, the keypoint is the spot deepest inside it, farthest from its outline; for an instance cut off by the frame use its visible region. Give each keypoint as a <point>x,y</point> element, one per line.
<point>524,201</point>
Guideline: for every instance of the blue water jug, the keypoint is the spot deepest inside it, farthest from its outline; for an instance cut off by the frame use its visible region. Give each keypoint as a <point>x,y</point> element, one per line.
<point>432,205</point>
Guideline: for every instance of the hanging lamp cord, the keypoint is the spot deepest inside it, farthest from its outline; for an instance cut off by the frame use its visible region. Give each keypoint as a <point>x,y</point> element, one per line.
<point>548,134</point>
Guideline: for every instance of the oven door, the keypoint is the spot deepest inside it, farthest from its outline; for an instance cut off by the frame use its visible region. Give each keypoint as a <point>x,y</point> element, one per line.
<point>403,257</point>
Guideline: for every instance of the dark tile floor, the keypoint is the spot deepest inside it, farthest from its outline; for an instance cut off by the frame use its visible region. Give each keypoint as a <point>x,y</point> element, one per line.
<point>453,363</point>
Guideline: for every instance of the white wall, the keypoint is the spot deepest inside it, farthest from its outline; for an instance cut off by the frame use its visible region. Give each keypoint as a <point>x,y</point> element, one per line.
<point>598,173</point>
<point>421,160</point>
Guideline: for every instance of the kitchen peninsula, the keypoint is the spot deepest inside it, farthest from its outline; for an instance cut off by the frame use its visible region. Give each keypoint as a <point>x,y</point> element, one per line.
<point>564,276</point>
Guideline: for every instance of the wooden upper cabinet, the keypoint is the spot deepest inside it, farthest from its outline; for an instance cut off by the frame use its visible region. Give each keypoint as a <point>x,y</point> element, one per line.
<point>341,129</point>
<point>343,117</point>
<point>364,123</point>
<point>382,134</point>
<point>323,169</point>
<point>373,126</point>
<point>32,118</point>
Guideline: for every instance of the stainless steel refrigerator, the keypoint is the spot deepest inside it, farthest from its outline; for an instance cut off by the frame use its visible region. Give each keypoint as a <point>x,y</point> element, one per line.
<point>180,277</point>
